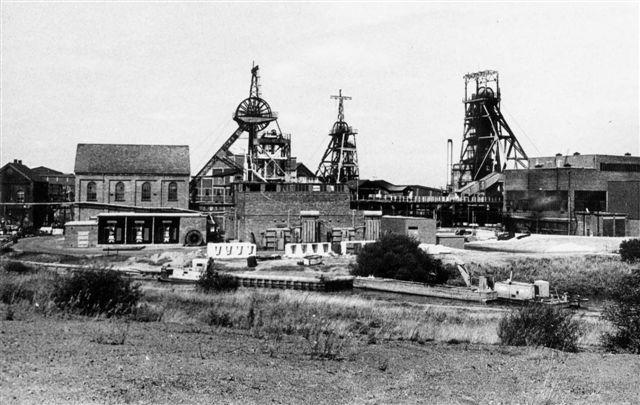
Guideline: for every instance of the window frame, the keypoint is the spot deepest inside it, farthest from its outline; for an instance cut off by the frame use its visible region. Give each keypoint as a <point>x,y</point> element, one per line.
<point>92,191</point>
<point>145,191</point>
<point>119,191</point>
<point>172,191</point>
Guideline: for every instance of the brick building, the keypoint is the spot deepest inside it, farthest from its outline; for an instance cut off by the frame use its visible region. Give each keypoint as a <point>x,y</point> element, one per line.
<point>60,189</point>
<point>111,177</point>
<point>32,198</point>
<point>561,194</point>
<point>19,189</point>
<point>261,208</point>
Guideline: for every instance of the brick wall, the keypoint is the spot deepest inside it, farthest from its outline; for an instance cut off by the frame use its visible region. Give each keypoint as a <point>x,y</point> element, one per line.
<point>190,223</point>
<point>258,211</point>
<point>106,189</point>
<point>569,179</point>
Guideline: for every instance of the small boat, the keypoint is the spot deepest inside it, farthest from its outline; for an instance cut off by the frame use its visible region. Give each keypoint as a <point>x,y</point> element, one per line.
<point>187,275</point>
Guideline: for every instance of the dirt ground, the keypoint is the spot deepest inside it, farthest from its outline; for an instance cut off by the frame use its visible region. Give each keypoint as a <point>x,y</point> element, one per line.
<point>52,361</point>
<point>486,251</point>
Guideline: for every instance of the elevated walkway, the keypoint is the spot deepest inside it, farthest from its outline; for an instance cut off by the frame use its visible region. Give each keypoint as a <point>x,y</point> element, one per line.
<point>481,185</point>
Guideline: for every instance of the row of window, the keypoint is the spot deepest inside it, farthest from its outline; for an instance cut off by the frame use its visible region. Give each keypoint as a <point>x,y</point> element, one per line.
<point>92,193</point>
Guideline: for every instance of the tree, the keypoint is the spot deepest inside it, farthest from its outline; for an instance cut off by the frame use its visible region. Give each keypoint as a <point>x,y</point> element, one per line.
<point>624,314</point>
<point>399,257</point>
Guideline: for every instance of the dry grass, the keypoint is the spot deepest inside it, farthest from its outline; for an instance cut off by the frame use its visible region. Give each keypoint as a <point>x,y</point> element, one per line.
<point>271,314</point>
<point>295,313</point>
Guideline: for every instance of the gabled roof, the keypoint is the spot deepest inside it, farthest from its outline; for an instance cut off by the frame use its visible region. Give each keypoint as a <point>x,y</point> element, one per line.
<point>301,168</point>
<point>392,188</point>
<point>376,184</point>
<point>132,159</point>
<point>22,170</point>
<point>45,171</point>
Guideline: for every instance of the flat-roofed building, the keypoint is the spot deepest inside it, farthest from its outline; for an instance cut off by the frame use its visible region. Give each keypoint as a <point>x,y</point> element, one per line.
<point>561,194</point>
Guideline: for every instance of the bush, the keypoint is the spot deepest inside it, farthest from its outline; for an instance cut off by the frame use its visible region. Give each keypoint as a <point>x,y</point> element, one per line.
<point>97,291</point>
<point>17,267</point>
<point>624,314</point>
<point>540,325</point>
<point>215,318</point>
<point>399,257</point>
<point>212,281</point>
<point>13,290</point>
<point>147,313</point>
<point>630,250</point>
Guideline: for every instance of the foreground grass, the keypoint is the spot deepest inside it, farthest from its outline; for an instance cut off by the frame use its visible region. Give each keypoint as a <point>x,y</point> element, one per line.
<point>256,346</point>
<point>344,318</point>
<point>331,321</point>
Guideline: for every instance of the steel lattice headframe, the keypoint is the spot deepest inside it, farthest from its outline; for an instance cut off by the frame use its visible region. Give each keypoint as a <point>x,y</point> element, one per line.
<point>488,144</point>
<point>339,164</point>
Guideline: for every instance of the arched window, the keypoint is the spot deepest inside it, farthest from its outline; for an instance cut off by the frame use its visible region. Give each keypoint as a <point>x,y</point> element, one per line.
<point>146,191</point>
<point>173,191</point>
<point>119,191</point>
<point>92,195</point>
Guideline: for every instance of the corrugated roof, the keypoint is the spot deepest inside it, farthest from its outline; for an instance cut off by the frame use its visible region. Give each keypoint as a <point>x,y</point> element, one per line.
<point>132,159</point>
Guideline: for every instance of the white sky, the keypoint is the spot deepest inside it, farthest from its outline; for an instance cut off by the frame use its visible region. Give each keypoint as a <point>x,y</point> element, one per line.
<point>174,73</point>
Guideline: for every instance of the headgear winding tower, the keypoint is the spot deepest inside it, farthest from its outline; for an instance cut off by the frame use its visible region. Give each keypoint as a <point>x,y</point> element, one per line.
<point>339,163</point>
<point>488,144</point>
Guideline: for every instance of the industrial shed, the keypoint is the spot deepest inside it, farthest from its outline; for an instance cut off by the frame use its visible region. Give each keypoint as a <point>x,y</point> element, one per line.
<point>576,194</point>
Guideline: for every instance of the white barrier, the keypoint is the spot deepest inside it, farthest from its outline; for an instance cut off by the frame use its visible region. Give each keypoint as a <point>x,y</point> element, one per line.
<point>348,246</point>
<point>238,250</point>
<point>297,250</point>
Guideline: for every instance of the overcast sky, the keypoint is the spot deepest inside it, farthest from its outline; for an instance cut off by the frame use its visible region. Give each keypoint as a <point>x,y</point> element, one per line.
<point>174,73</point>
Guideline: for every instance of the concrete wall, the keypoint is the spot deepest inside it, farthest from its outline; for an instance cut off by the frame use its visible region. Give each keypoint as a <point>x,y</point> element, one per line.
<point>425,228</point>
<point>257,211</point>
<point>452,241</point>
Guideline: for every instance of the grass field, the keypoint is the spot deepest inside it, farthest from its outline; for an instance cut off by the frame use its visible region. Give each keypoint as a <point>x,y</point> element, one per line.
<point>257,346</point>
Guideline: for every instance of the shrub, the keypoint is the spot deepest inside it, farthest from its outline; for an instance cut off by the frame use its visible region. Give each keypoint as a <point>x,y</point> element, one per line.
<point>624,314</point>
<point>540,325</point>
<point>147,313</point>
<point>13,290</point>
<point>17,267</point>
<point>215,318</point>
<point>97,291</point>
<point>630,250</point>
<point>213,281</point>
<point>399,257</point>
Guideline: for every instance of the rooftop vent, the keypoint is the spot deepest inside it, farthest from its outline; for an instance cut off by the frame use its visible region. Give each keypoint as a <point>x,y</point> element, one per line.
<point>576,153</point>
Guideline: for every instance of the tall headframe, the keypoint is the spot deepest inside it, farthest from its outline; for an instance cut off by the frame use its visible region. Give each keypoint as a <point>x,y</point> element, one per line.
<point>488,144</point>
<point>339,163</point>
<point>268,152</point>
